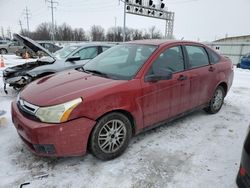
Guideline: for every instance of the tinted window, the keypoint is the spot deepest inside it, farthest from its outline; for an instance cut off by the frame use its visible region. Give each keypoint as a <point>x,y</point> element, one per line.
<point>171,59</point>
<point>87,53</point>
<point>214,58</point>
<point>197,56</point>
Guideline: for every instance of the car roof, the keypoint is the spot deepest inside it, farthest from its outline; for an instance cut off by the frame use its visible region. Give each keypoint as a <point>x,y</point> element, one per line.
<point>85,44</point>
<point>159,42</point>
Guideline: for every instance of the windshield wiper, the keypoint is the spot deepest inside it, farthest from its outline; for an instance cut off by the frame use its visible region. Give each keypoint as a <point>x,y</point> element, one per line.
<point>89,71</point>
<point>82,69</point>
<point>96,72</point>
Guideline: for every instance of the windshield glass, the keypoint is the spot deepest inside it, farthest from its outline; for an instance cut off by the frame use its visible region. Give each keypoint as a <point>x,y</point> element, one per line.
<point>122,61</point>
<point>64,52</point>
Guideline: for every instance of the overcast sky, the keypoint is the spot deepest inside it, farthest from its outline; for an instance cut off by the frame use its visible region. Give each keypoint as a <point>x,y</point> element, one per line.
<point>203,20</point>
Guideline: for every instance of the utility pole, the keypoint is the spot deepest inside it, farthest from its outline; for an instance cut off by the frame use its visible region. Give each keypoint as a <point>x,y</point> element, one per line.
<point>9,33</point>
<point>52,5</point>
<point>115,30</point>
<point>124,21</point>
<point>21,26</point>
<point>27,15</point>
<point>2,31</point>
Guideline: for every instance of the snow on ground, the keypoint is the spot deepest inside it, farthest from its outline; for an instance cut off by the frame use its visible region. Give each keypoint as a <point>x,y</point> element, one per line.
<point>198,150</point>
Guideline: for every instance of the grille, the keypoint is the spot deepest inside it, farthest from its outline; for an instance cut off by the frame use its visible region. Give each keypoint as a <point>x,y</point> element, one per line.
<point>28,110</point>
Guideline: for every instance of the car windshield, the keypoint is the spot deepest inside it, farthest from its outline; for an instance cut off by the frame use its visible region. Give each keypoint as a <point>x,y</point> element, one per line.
<point>121,62</point>
<point>64,52</point>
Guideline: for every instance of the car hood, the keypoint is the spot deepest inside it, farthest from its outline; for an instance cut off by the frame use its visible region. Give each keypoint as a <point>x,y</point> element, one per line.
<point>65,86</point>
<point>31,44</point>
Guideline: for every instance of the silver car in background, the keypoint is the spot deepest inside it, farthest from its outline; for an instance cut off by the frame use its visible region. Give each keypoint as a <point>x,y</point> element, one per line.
<point>11,47</point>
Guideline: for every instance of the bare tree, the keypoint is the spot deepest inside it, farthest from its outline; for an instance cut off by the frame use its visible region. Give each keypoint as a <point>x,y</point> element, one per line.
<point>97,33</point>
<point>137,34</point>
<point>79,35</point>
<point>64,32</point>
<point>42,32</point>
<point>111,34</point>
<point>154,34</point>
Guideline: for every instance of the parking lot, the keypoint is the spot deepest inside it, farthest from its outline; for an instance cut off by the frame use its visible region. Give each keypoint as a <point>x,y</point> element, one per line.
<point>198,150</point>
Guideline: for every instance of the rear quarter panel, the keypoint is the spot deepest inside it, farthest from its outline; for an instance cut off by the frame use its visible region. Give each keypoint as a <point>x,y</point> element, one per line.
<point>225,73</point>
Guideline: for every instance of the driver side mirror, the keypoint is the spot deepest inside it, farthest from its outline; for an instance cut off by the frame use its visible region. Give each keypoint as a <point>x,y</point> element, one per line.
<point>73,58</point>
<point>163,74</point>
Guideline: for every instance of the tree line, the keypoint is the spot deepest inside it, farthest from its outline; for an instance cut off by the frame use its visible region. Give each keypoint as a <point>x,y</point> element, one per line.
<point>65,32</point>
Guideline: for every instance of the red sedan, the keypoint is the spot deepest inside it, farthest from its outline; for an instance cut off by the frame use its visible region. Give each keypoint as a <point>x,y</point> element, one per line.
<point>128,89</point>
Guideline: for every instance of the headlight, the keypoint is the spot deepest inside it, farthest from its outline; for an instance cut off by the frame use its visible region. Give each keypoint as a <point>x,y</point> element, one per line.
<point>58,113</point>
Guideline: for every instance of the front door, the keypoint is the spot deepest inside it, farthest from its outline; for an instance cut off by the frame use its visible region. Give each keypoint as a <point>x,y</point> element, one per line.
<point>165,98</point>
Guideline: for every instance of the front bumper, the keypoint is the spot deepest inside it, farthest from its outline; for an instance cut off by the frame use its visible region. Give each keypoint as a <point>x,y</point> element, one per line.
<point>65,139</point>
<point>18,81</point>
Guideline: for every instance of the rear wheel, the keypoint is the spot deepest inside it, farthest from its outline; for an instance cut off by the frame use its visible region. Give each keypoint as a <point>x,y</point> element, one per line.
<point>3,51</point>
<point>110,136</point>
<point>217,100</point>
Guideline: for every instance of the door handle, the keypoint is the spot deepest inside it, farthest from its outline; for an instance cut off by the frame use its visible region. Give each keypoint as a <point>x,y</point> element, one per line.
<point>211,69</point>
<point>182,77</point>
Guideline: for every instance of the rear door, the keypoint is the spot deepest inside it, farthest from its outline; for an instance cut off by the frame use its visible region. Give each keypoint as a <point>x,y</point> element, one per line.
<point>165,98</point>
<point>202,75</point>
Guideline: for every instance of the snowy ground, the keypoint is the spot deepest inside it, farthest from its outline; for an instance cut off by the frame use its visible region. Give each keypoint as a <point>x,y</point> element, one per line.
<point>199,150</point>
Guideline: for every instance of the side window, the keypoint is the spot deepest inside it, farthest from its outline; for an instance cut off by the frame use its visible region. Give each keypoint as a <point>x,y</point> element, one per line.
<point>104,48</point>
<point>197,56</point>
<point>214,58</point>
<point>87,53</point>
<point>171,59</point>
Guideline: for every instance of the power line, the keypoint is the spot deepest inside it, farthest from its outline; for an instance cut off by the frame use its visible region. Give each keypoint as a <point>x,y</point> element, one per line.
<point>52,5</point>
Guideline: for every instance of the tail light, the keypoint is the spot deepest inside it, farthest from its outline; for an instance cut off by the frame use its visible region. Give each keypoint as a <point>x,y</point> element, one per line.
<point>242,171</point>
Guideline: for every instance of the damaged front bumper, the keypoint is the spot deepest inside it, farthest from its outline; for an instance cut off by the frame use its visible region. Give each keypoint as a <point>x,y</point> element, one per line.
<point>16,82</point>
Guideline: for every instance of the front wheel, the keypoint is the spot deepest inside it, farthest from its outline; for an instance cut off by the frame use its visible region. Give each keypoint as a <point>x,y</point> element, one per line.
<point>110,136</point>
<point>217,100</point>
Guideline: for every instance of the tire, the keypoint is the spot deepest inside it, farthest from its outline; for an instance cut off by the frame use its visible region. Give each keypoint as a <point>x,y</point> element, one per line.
<point>216,102</point>
<point>3,51</point>
<point>110,136</point>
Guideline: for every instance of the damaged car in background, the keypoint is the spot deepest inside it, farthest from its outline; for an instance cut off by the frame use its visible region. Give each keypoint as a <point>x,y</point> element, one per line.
<point>69,57</point>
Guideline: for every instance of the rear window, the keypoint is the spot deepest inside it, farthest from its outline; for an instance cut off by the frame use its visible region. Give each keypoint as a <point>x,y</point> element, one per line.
<point>214,58</point>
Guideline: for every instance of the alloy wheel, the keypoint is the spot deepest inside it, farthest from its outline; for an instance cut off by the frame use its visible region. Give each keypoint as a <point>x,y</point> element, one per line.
<point>112,136</point>
<point>218,99</point>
